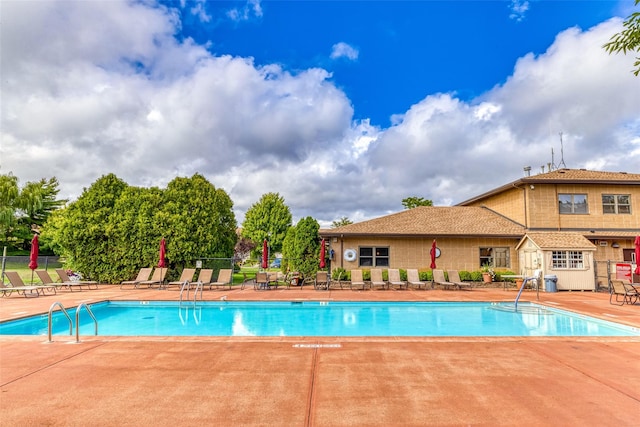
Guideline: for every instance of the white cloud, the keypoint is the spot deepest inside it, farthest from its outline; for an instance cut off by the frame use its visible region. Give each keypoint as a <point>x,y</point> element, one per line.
<point>251,9</point>
<point>518,9</point>
<point>138,103</point>
<point>343,50</point>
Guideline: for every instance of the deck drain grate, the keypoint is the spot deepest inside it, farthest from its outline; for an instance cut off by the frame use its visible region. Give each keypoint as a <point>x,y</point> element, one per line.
<point>317,345</point>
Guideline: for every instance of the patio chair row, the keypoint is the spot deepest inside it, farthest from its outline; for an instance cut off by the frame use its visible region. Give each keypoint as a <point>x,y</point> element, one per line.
<point>624,293</point>
<point>149,277</point>
<point>48,286</point>
<point>413,279</point>
<point>323,281</point>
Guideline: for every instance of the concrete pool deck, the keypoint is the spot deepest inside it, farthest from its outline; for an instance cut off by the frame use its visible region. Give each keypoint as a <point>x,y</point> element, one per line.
<point>144,381</point>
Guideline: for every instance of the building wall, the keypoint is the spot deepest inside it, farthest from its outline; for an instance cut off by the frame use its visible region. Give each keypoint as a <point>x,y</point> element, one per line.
<point>510,203</point>
<point>572,280</point>
<point>543,207</point>
<point>541,203</point>
<point>456,253</point>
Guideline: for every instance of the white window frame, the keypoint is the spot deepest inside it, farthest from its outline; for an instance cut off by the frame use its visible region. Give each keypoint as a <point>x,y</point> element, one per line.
<point>568,260</point>
<point>377,257</point>
<point>617,206</point>
<point>568,200</point>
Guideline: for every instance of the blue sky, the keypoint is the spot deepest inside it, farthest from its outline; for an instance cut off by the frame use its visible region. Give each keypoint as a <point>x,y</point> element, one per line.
<point>343,108</point>
<point>398,51</point>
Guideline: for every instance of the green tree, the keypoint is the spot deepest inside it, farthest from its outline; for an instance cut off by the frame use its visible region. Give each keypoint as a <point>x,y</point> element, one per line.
<point>301,250</point>
<point>269,218</point>
<point>414,202</point>
<point>197,221</point>
<point>627,40</point>
<point>132,235</point>
<point>113,230</point>
<point>341,222</point>
<point>26,209</point>
<point>36,202</point>
<point>9,193</point>
<point>80,231</point>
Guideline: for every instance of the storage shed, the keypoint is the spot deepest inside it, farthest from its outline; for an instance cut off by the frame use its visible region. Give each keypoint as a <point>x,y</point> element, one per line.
<point>567,255</point>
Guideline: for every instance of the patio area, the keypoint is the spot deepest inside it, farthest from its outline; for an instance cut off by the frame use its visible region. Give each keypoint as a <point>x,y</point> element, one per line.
<point>139,381</point>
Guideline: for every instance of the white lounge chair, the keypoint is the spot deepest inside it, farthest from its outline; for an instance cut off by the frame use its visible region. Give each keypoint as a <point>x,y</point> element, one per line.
<point>395,280</point>
<point>66,279</point>
<point>225,278</point>
<point>17,285</point>
<point>377,280</point>
<point>454,277</point>
<point>356,279</point>
<point>439,279</point>
<point>143,275</point>
<point>413,278</point>
<point>46,279</point>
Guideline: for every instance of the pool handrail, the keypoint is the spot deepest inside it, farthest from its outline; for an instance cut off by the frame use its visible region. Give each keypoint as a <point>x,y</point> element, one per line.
<point>95,321</point>
<point>49,323</point>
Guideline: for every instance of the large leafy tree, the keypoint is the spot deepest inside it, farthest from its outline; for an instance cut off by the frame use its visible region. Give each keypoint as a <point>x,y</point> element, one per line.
<point>36,203</point>
<point>301,250</point>
<point>341,222</point>
<point>269,218</point>
<point>9,192</point>
<point>197,221</point>
<point>113,229</point>
<point>133,237</point>
<point>627,40</point>
<point>24,210</point>
<point>80,231</point>
<point>414,202</point>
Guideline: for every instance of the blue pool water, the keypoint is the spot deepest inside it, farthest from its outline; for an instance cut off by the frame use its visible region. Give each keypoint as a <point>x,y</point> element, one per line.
<point>342,319</point>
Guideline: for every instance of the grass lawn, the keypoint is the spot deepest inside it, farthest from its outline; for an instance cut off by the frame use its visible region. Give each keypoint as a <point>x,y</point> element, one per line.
<point>25,273</point>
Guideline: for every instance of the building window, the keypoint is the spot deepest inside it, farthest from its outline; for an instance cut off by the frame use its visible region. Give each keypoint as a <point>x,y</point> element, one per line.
<point>374,257</point>
<point>573,204</point>
<point>616,203</point>
<point>494,257</point>
<point>567,260</point>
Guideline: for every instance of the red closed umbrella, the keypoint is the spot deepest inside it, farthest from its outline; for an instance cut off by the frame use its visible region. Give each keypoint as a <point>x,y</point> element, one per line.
<point>162,262</point>
<point>322,254</point>
<point>265,254</point>
<point>33,256</point>
<point>637,243</point>
<point>432,252</point>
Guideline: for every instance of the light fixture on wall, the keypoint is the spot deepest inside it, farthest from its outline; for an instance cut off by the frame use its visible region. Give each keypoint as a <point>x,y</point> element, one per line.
<point>615,245</point>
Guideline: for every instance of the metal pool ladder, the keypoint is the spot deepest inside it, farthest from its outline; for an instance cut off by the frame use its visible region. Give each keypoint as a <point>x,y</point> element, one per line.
<point>64,311</point>
<point>95,321</point>
<point>187,286</point>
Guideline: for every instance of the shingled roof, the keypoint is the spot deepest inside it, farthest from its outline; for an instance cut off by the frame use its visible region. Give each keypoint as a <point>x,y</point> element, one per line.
<point>559,240</point>
<point>458,221</point>
<point>564,176</point>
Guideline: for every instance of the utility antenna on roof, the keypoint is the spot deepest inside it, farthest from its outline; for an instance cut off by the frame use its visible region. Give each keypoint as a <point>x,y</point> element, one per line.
<point>561,154</point>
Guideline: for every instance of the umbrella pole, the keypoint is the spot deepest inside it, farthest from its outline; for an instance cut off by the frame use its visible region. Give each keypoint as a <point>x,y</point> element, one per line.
<point>31,277</point>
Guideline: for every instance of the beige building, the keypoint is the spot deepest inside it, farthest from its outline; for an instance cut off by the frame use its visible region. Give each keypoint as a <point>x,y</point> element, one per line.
<point>562,216</point>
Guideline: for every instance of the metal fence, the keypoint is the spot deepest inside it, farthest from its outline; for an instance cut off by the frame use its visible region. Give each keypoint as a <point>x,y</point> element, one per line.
<point>21,262</point>
<point>605,271</point>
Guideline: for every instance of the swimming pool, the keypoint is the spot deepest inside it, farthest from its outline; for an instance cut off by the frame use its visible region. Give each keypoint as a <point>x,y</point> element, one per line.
<point>322,318</point>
